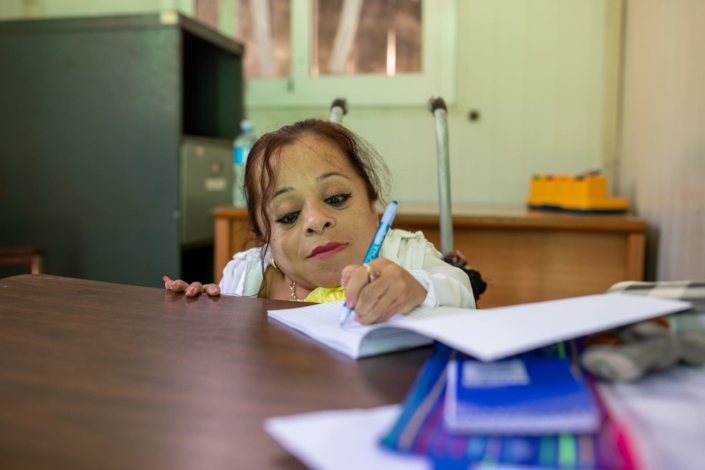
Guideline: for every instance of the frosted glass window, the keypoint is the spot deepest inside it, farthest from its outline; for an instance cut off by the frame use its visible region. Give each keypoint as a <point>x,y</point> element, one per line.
<point>264,26</point>
<point>366,37</point>
<point>206,11</point>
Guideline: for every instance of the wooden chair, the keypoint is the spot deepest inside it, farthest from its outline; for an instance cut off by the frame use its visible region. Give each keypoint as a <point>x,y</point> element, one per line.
<point>32,257</point>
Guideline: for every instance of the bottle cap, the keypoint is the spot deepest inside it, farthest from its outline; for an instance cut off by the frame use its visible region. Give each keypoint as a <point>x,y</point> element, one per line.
<point>247,126</point>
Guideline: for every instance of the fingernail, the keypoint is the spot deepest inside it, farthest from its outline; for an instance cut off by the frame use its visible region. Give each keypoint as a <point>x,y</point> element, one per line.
<point>348,303</point>
<point>217,291</point>
<point>190,290</point>
<point>173,284</point>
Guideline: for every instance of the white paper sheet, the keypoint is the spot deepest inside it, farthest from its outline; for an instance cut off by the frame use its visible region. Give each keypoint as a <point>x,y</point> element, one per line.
<point>342,440</point>
<point>487,335</point>
<point>500,332</point>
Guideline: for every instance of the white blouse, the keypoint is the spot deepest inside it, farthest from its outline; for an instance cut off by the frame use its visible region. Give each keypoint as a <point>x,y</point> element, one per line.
<point>445,285</point>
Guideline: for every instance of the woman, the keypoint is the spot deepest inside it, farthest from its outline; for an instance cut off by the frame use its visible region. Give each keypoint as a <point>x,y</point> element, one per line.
<point>312,189</point>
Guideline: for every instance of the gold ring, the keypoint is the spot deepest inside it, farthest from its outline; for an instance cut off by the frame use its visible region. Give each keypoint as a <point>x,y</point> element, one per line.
<point>372,275</point>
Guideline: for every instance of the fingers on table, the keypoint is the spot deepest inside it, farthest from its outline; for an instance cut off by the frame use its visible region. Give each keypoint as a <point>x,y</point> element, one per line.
<point>176,286</point>
<point>194,289</point>
<point>212,289</point>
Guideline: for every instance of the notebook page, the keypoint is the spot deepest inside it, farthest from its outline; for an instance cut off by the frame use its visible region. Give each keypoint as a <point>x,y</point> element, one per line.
<point>393,336</point>
<point>425,312</point>
<point>322,323</point>
<point>495,333</point>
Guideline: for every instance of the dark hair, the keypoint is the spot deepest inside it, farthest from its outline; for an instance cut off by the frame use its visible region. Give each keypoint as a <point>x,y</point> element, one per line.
<point>260,172</point>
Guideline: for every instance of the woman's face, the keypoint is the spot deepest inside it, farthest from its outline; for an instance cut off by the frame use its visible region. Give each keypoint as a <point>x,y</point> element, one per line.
<point>320,214</point>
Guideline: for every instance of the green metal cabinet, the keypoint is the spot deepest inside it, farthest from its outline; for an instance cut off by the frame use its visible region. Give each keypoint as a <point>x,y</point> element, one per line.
<point>94,117</point>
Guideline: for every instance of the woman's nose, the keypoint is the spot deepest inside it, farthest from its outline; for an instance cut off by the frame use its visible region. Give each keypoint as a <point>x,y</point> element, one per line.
<point>318,219</point>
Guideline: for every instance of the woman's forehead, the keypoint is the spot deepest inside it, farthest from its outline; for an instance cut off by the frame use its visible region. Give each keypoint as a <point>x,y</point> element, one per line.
<point>309,157</point>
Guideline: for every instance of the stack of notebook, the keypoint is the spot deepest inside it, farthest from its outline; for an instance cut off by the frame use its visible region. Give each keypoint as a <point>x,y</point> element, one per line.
<point>487,420</point>
<point>501,387</point>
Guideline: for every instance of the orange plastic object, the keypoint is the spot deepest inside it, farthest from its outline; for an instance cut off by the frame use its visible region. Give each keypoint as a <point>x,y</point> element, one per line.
<point>583,193</point>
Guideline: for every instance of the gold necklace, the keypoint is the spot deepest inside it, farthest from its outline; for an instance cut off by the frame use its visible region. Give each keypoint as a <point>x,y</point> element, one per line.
<point>293,292</point>
<point>292,286</point>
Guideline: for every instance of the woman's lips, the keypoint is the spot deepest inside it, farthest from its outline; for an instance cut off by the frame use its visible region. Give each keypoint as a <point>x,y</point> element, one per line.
<point>327,250</point>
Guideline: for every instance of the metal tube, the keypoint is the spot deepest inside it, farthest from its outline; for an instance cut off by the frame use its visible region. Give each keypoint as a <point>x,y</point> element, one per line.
<point>440,114</point>
<point>336,115</point>
<point>338,109</point>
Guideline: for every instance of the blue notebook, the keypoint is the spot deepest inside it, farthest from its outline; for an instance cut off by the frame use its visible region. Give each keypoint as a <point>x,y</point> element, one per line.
<point>420,431</point>
<point>518,396</point>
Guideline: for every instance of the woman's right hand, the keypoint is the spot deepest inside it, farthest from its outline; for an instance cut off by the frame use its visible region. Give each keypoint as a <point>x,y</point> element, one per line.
<point>193,289</point>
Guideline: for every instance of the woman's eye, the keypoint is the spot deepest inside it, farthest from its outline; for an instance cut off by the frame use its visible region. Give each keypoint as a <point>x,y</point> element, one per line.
<point>289,218</point>
<point>338,199</point>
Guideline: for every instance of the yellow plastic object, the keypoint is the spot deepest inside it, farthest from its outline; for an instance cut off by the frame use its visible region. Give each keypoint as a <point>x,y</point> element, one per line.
<point>583,193</point>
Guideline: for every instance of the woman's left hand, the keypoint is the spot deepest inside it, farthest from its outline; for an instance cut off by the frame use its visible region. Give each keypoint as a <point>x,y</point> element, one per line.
<point>376,297</point>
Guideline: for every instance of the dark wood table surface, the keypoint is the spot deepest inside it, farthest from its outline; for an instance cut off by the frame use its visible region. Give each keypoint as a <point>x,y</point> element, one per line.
<point>100,376</point>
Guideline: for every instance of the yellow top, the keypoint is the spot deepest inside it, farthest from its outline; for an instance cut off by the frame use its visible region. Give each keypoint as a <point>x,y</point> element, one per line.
<point>321,295</point>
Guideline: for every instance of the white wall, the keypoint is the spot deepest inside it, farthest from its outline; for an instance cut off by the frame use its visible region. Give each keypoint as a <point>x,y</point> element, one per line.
<point>663,132</point>
<point>536,72</point>
<point>10,9</point>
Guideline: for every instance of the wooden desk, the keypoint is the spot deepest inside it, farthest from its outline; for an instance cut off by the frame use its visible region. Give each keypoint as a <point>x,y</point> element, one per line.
<point>526,256</point>
<point>98,375</point>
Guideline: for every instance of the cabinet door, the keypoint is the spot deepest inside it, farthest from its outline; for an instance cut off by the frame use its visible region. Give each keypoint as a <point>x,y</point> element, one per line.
<point>206,182</point>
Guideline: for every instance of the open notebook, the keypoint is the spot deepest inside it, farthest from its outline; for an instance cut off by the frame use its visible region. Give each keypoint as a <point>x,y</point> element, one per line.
<point>484,334</point>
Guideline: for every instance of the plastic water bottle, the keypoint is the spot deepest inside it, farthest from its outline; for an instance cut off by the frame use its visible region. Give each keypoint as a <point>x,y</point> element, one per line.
<point>242,146</point>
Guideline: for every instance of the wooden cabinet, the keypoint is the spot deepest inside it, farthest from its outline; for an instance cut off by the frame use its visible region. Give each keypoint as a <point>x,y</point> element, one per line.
<point>525,256</point>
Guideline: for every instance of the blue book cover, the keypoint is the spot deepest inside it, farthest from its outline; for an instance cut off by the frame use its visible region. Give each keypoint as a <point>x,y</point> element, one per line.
<point>518,396</point>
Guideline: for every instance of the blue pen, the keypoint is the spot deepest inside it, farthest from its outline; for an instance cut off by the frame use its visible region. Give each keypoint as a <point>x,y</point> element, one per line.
<point>373,252</point>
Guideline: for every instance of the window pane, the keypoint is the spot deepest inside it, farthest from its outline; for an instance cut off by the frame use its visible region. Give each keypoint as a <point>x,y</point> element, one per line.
<point>370,36</point>
<point>207,12</point>
<point>265,28</point>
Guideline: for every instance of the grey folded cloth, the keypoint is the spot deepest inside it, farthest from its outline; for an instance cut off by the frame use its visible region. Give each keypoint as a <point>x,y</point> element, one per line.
<point>649,346</point>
